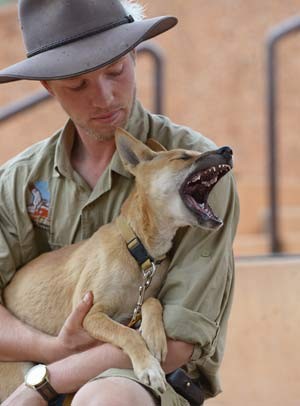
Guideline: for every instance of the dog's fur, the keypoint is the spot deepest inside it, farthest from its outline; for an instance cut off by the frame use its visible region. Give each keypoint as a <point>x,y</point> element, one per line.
<point>44,292</point>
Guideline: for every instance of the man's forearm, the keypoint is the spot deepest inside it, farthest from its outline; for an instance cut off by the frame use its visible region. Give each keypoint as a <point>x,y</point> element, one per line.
<point>179,353</point>
<point>20,342</point>
<point>38,347</point>
<point>69,374</point>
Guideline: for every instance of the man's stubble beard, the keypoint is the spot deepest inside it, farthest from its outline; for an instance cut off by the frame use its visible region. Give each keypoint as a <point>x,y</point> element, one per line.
<point>96,135</point>
<point>101,135</point>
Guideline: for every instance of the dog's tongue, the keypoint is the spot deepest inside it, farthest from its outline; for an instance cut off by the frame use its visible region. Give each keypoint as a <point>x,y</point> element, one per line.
<point>203,208</point>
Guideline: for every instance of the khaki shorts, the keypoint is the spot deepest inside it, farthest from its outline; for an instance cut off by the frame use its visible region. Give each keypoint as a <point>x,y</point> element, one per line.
<point>168,398</point>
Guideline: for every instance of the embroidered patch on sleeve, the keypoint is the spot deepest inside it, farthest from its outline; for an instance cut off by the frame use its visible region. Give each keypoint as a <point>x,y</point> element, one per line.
<point>38,208</point>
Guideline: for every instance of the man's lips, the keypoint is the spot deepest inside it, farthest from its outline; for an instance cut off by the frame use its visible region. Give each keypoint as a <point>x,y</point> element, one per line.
<point>107,117</point>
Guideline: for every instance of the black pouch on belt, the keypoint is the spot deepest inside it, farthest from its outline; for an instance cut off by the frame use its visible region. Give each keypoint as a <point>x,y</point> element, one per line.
<point>186,387</point>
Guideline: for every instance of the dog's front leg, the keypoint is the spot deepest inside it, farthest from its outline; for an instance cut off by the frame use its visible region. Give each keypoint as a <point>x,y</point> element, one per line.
<point>152,328</point>
<point>145,366</point>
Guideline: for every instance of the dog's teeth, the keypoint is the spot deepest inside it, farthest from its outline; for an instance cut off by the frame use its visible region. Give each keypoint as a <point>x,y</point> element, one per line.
<point>214,169</point>
<point>196,178</point>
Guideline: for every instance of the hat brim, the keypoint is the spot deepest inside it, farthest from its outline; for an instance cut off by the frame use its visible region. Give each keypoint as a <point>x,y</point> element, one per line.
<point>87,54</point>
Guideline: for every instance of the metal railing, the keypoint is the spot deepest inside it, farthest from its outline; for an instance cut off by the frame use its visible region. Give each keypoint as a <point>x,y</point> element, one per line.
<point>274,36</point>
<point>159,64</point>
<point>24,104</point>
<point>40,96</point>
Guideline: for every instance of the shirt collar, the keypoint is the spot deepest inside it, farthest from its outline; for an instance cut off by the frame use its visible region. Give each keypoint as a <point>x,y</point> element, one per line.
<point>62,159</point>
<point>137,125</point>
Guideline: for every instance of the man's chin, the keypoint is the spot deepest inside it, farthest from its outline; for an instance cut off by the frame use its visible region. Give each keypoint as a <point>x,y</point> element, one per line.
<point>103,136</point>
<point>101,131</point>
<point>98,134</point>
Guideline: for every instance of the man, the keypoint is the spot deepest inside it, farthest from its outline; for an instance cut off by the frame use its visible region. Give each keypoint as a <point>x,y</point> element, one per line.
<point>82,51</point>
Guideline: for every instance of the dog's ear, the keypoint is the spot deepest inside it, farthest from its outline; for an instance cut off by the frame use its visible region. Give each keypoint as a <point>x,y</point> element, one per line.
<point>155,145</point>
<point>131,150</point>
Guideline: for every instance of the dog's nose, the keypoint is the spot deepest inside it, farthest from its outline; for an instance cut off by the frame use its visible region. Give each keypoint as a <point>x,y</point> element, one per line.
<point>226,151</point>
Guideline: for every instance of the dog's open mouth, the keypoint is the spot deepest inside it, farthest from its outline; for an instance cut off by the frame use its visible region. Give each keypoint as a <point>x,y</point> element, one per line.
<point>195,191</point>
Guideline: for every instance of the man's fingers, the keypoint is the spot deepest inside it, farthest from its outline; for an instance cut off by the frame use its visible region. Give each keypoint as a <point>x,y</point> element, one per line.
<point>78,314</point>
<point>88,298</point>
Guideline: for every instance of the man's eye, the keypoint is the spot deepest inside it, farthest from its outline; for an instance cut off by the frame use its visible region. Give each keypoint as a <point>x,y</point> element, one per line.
<point>116,71</point>
<point>79,86</point>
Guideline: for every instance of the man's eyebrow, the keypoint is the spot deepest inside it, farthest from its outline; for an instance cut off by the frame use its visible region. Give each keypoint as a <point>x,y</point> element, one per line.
<point>117,61</point>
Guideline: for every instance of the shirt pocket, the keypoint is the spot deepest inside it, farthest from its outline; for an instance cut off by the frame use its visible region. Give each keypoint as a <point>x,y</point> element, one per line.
<point>64,214</point>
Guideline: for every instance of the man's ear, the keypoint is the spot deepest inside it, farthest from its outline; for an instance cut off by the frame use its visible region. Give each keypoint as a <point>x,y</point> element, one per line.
<point>132,151</point>
<point>133,55</point>
<point>47,86</point>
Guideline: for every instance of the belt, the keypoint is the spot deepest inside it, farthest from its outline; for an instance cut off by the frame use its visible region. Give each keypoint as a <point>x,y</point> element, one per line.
<point>186,387</point>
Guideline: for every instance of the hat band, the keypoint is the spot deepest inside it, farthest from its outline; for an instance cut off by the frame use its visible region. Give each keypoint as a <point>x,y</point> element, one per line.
<point>56,44</point>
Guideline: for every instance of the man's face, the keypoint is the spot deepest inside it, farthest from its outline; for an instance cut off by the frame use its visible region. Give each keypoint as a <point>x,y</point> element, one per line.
<point>99,101</point>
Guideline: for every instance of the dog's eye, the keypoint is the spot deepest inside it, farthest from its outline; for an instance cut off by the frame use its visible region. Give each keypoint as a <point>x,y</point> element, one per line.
<point>184,157</point>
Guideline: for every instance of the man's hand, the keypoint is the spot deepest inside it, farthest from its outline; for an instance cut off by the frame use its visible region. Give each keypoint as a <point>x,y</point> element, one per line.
<point>24,396</point>
<point>72,338</point>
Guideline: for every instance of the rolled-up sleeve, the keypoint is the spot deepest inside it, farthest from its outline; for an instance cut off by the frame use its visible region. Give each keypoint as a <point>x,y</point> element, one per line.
<point>10,251</point>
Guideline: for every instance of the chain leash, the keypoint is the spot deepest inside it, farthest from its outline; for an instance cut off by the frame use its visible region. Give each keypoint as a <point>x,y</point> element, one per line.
<point>147,278</point>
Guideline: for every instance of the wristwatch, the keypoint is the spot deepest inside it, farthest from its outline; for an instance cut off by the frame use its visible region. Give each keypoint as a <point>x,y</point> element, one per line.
<point>37,378</point>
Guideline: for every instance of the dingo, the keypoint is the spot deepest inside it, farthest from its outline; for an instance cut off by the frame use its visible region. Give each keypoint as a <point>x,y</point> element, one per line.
<point>171,191</point>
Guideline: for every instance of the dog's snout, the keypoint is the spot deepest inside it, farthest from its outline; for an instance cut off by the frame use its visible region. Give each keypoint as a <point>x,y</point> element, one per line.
<point>226,151</point>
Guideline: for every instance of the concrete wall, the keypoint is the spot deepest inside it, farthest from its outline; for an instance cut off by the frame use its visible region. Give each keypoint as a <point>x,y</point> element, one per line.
<point>215,82</point>
<point>261,364</point>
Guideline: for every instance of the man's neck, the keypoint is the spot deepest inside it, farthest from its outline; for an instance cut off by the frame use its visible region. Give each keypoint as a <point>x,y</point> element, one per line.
<point>90,157</point>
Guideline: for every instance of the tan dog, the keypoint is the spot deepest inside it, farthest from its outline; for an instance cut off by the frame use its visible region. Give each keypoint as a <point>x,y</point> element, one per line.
<point>171,191</point>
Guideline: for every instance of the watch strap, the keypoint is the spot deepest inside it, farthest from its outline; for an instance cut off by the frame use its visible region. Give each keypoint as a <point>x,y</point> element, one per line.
<point>46,391</point>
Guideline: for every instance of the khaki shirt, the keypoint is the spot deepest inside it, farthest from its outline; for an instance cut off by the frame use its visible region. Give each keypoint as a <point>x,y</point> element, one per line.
<point>46,205</point>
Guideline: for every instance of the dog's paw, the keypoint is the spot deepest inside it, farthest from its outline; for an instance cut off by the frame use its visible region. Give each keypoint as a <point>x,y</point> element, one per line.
<point>152,375</point>
<point>156,342</point>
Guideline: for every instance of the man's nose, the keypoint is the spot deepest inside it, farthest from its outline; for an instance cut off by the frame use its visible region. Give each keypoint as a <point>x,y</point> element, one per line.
<point>102,93</point>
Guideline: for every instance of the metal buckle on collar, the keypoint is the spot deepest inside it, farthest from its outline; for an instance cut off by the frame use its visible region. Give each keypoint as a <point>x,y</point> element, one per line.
<point>138,251</point>
<point>146,263</point>
<point>148,274</point>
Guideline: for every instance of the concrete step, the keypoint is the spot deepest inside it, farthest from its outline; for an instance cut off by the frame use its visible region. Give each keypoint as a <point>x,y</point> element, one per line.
<point>251,244</point>
<point>259,244</point>
<point>290,242</point>
<point>289,218</point>
<point>261,363</point>
<point>255,204</point>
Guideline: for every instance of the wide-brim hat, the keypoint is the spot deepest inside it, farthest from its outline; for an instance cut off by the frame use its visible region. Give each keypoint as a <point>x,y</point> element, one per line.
<point>66,38</point>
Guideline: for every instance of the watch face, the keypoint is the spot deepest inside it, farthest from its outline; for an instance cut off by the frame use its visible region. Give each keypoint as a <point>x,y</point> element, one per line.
<point>36,375</point>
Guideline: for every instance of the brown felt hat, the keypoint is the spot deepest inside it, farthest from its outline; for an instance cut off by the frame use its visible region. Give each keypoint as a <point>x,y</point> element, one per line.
<point>65,38</point>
